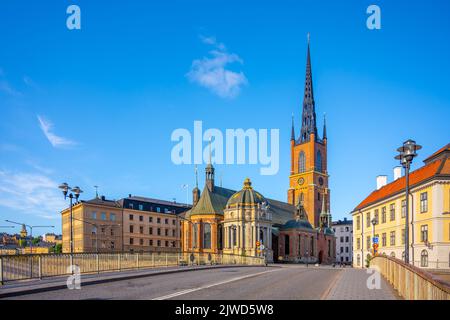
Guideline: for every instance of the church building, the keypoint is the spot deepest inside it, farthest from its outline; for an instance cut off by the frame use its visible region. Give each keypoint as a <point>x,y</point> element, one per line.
<point>235,222</point>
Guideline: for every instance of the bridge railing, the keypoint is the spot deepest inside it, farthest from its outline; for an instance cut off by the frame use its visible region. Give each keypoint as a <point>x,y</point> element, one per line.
<point>411,282</point>
<point>32,266</point>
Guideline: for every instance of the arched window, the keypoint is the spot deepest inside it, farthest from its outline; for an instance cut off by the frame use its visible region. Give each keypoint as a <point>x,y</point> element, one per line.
<point>286,245</point>
<point>194,235</point>
<point>301,162</point>
<point>319,161</point>
<point>206,236</point>
<point>424,258</point>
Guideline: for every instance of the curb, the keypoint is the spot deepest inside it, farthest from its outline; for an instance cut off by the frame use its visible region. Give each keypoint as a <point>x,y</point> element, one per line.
<point>114,279</point>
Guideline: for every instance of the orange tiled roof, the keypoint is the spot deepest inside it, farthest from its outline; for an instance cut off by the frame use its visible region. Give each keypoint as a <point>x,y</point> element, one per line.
<point>444,148</point>
<point>439,166</point>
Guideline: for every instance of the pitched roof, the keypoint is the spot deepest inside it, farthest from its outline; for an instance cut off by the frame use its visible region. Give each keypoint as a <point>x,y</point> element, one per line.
<point>443,151</point>
<point>437,168</point>
<point>214,203</point>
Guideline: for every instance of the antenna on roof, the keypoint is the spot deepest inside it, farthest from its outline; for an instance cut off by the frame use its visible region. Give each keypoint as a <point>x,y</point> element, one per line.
<point>96,192</point>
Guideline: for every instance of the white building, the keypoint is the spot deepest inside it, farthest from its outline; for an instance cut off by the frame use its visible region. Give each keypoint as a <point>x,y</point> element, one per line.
<point>343,230</point>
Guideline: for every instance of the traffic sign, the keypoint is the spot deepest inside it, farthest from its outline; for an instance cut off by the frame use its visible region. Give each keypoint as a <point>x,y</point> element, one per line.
<point>261,247</point>
<point>375,239</point>
<point>258,243</point>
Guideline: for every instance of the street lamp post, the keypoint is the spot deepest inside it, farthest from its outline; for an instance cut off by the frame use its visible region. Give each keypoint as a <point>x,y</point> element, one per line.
<point>407,153</point>
<point>76,194</point>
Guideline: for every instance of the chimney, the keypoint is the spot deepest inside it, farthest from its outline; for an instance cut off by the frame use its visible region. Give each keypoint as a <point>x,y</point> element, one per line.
<point>381,182</point>
<point>129,195</point>
<point>397,173</point>
<point>103,198</point>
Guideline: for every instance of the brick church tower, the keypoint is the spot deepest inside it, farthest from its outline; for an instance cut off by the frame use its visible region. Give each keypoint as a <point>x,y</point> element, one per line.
<point>308,180</point>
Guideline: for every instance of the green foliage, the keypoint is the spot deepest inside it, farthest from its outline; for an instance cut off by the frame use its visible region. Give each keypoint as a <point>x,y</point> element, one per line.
<point>36,241</point>
<point>58,248</point>
<point>22,243</point>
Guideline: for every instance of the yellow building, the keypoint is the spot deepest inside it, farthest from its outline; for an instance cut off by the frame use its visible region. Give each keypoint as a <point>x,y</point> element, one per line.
<point>429,212</point>
<point>96,226</point>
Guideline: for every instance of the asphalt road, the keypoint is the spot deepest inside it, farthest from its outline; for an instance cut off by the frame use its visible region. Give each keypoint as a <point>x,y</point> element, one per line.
<point>241,283</point>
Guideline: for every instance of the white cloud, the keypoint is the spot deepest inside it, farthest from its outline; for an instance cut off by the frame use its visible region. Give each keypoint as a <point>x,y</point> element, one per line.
<point>31,193</point>
<point>213,72</point>
<point>5,87</point>
<point>56,141</point>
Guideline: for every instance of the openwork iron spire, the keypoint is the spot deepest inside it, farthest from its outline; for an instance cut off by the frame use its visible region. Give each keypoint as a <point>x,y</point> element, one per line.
<point>309,112</point>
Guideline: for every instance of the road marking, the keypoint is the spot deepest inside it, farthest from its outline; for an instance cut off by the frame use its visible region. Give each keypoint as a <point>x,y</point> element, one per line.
<point>180,293</point>
<point>332,284</point>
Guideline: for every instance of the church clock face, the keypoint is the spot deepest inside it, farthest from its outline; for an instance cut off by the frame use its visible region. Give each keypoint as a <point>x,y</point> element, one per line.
<point>321,181</point>
<point>301,181</point>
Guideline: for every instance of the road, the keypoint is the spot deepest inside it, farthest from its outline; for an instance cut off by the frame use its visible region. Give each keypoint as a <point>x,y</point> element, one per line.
<point>290,282</point>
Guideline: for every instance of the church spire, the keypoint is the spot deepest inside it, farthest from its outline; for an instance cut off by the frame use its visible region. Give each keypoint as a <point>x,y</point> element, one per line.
<point>324,135</point>
<point>209,171</point>
<point>293,130</point>
<point>309,112</point>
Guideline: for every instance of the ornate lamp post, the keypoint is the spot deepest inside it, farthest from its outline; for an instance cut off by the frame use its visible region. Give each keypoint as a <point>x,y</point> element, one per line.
<point>76,194</point>
<point>407,153</point>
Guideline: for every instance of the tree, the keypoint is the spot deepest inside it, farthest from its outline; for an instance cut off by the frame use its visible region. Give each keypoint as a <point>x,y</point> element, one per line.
<point>22,243</point>
<point>36,241</point>
<point>58,248</point>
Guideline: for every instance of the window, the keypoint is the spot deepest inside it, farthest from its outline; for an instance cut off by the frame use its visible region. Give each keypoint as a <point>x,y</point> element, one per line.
<point>377,217</point>
<point>392,211</point>
<point>383,215</point>
<point>166,232</point>
<point>150,243</point>
<point>347,239</point>
<point>358,244</point>
<point>383,239</point>
<point>158,232</point>
<point>131,240</point>
<point>158,209</point>
<point>112,216</point>
<point>424,258</point>
<point>103,216</point>
<point>141,229</point>
<point>94,230</point>
<point>131,229</point>
<point>166,210</point>
<point>346,229</point>
<point>301,162</point>
<point>166,243</point>
<point>392,243</point>
<point>368,220</point>
<point>141,242</point>
<point>424,233</point>
<point>141,218</point>
<point>319,161</point>
<point>166,221</point>
<point>158,220</point>
<point>342,239</point>
<point>403,208</point>
<point>130,206</point>
<point>112,232</point>
<point>194,235</point>
<point>173,222</point>
<point>173,233</point>
<point>342,249</point>
<point>141,207</point>
<point>94,215</point>
<point>112,245</point>
<point>150,219</point>
<point>368,243</point>
<point>346,249</point>
<point>159,243</point>
<point>403,236</point>
<point>358,222</point>
<point>423,202</point>
<point>207,236</point>
<point>131,217</point>
<point>150,230</point>
<point>318,196</point>
<point>102,230</point>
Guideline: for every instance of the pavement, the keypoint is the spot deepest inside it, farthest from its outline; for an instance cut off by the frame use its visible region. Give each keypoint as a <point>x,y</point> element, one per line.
<point>274,282</point>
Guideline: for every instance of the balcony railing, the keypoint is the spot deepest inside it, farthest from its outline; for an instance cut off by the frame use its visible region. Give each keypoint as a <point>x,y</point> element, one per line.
<point>411,282</point>
<point>39,266</point>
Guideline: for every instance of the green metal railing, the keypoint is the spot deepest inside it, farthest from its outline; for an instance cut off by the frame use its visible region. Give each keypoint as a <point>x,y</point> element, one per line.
<point>39,266</point>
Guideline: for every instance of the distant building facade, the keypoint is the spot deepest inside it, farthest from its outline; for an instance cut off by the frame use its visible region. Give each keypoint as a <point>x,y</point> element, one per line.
<point>133,224</point>
<point>343,230</point>
<point>429,216</point>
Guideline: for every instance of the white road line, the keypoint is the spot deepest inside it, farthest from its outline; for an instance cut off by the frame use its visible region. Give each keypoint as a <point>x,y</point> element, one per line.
<point>180,293</point>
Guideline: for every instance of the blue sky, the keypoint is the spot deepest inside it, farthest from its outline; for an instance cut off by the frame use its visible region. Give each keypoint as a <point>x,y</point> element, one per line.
<point>108,96</point>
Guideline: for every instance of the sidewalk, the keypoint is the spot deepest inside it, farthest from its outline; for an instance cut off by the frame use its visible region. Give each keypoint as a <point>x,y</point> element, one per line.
<point>21,287</point>
<point>351,284</point>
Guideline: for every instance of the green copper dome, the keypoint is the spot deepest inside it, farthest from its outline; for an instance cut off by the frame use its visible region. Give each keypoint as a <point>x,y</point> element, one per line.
<point>247,196</point>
